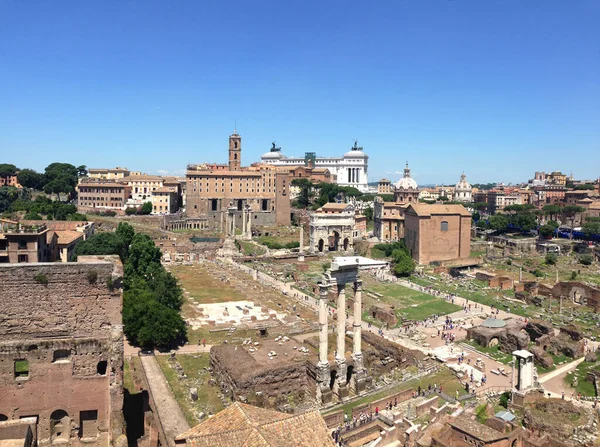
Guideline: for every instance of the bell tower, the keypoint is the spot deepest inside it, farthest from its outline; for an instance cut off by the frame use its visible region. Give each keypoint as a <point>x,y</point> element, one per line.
<point>235,151</point>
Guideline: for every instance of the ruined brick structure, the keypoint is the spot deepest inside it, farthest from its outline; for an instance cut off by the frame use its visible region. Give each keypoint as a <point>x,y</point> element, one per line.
<point>61,349</point>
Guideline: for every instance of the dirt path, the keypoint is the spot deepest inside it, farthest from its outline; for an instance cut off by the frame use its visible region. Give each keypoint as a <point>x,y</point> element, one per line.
<point>170,414</point>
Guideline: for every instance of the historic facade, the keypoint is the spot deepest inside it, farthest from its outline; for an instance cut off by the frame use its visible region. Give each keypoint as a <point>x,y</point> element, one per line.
<point>332,228</point>
<point>436,233</point>
<point>349,170</point>
<point>211,189</point>
<point>61,350</point>
<point>388,217</point>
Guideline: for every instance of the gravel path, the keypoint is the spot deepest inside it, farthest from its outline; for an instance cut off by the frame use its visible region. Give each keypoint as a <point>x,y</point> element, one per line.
<point>170,414</point>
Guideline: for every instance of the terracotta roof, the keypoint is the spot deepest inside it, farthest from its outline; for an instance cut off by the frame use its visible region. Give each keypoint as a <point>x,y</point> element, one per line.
<point>57,225</point>
<point>335,206</point>
<point>248,426</point>
<point>477,430</point>
<point>422,209</point>
<point>67,237</point>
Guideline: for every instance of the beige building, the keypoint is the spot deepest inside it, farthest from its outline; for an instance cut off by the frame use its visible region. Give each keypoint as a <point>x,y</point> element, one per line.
<point>103,194</point>
<point>212,189</point>
<point>384,186</point>
<point>165,200</point>
<point>436,233</point>
<point>108,174</point>
<point>332,228</point>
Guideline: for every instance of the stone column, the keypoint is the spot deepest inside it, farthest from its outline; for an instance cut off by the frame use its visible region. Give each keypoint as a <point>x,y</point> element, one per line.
<point>357,326</point>
<point>249,224</point>
<point>341,322</point>
<point>233,225</point>
<point>243,222</point>
<point>301,252</point>
<point>323,292</point>
<point>227,224</point>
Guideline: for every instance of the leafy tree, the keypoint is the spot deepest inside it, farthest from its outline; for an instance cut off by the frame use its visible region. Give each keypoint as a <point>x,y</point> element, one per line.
<point>480,206</point>
<point>546,231</point>
<point>8,195</point>
<point>104,243</point>
<point>591,227</point>
<point>387,197</point>
<point>62,178</point>
<point>499,223</point>
<point>32,216</point>
<point>306,187</point>
<point>368,213</point>
<point>146,208</point>
<point>130,210</point>
<point>570,212</point>
<point>143,254</point>
<point>443,198</point>
<point>31,179</point>
<point>126,233</point>
<point>82,171</point>
<point>525,222</point>
<point>554,224</point>
<point>476,216</point>
<point>586,259</point>
<point>585,187</point>
<point>403,263</point>
<point>551,211</point>
<point>551,258</point>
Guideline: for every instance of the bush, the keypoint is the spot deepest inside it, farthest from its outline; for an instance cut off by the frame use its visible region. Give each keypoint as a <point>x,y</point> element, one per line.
<point>546,231</point>
<point>551,258</point>
<point>586,259</point>
<point>481,413</point>
<point>130,211</point>
<point>573,276</point>
<point>40,278</point>
<point>294,244</point>
<point>504,399</point>
<point>326,266</point>
<point>145,209</point>
<point>92,276</point>
<point>32,215</point>
<point>509,262</point>
<point>538,273</point>
<point>109,213</point>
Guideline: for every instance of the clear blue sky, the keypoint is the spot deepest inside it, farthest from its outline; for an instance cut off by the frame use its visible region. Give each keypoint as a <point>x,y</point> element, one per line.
<point>498,89</point>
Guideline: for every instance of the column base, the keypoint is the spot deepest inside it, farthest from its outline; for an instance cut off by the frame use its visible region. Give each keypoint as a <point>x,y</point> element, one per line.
<point>301,257</point>
<point>324,393</point>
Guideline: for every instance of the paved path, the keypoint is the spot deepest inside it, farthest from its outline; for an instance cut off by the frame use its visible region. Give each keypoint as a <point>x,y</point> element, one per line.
<point>562,370</point>
<point>169,412</point>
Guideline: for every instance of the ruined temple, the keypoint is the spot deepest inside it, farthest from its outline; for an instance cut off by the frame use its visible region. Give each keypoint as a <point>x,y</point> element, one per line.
<point>61,350</point>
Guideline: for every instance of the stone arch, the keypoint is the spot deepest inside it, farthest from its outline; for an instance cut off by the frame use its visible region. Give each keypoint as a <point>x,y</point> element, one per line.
<point>3,417</point>
<point>321,245</point>
<point>332,378</point>
<point>349,373</point>
<point>60,426</point>
<point>346,244</point>
<point>334,241</point>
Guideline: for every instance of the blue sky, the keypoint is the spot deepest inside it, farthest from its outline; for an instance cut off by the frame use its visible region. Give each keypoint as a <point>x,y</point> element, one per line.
<point>498,89</point>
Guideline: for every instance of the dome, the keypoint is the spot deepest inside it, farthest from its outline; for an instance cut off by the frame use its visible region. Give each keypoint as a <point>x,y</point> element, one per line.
<point>463,185</point>
<point>494,323</point>
<point>273,154</point>
<point>356,152</point>
<point>406,182</point>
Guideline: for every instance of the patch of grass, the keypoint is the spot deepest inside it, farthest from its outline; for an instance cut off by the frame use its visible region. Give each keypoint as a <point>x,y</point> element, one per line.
<point>197,377</point>
<point>128,382</point>
<point>203,286</point>
<point>583,386</point>
<point>492,351</point>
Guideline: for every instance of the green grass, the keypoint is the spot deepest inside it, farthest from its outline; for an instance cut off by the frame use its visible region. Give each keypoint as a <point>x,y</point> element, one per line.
<point>409,304</point>
<point>584,387</point>
<point>128,378</point>
<point>250,249</point>
<point>197,377</point>
<point>492,351</point>
<point>21,368</point>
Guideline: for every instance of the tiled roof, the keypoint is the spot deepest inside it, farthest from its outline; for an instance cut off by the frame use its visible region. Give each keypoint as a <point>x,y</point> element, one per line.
<point>243,425</point>
<point>335,206</point>
<point>69,236</point>
<point>57,225</point>
<point>427,210</point>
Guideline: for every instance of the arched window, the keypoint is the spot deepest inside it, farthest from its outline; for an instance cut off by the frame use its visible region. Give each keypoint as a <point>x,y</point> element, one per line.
<point>444,226</point>
<point>235,144</point>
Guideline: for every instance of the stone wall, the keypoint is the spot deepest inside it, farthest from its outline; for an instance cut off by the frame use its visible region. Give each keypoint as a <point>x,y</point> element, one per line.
<point>62,323</point>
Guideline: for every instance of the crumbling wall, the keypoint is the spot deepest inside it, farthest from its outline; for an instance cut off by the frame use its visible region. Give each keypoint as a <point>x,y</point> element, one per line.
<point>63,321</point>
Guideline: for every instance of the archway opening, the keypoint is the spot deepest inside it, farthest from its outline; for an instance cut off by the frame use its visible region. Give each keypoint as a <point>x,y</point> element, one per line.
<point>349,373</point>
<point>346,244</point>
<point>332,378</point>
<point>60,426</point>
<point>3,417</point>
<point>334,241</point>
<point>321,244</point>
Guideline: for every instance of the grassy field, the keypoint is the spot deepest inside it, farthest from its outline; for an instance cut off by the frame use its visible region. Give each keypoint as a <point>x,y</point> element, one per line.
<point>584,387</point>
<point>203,286</point>
<point>492,351</point>
<point>197,377</point>
<point>410,304</point>
<point>443,377</point>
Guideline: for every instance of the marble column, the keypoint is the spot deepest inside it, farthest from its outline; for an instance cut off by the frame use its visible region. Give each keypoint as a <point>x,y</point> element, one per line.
<point>357,326</point>
<point>249,224</point>
<point>301,252</point>
<point>233,225</point>
<point>341,322</point>
<point>227,224</point>
<point>323,293</point>
<point>243,223</point>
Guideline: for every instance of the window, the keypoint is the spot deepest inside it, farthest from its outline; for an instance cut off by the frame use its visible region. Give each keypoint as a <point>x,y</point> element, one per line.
<point>21,368</point>
<point>101,368</point>
<point>444,226</point>
<point>23,258</point>
<point>22,244</point>
<point>61,355</point>
<point>88,427</point>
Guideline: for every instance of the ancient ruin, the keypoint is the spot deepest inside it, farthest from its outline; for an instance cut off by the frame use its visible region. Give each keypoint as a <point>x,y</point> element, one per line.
<point>61,349</point>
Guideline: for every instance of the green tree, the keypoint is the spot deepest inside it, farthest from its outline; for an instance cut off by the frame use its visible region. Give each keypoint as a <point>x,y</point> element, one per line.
<point>585,187</point>
<point>62,178</point>
<point>591,227</point>
<point>143,254</point>
<point>570,212</point>
<point>499,223</point>
<point>31,179</point>
<point>82,171</point>
<point>586,259</point>
<point>104,243</point>
<point>146,208</point>
<point>551,211</point>
<point>546,231</point>
<point>443,198</point>
<point>126,233</point>
<point>368,213</point>
<point>403,263</point>
<point>7,170</point>
<point>525,222</point>
<point>480,206</point>
<point>551,258</point>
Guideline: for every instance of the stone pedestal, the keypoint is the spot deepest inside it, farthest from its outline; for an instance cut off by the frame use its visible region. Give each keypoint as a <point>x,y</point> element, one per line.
<point>358,381</point>
<point>324,394</point>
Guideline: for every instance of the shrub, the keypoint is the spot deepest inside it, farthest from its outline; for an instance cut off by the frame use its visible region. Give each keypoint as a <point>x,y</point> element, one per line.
<point>110,284</point>
<point>481,413</point>
<point>538,273</point>
<point>551,258</point>
<point>92,276</point>
<point>294,244</point>
<point>504,399</point>
<point>40,278</point>
<point>109,213</point>
<point>130,210</point>
<point>573,276</point>
<point>146,208</point>
<point>586,259</point>
<point>326,266</point>
<point>509,262</point>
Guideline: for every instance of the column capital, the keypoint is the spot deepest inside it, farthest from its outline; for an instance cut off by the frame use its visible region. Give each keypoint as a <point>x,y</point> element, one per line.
<point>358,285</point>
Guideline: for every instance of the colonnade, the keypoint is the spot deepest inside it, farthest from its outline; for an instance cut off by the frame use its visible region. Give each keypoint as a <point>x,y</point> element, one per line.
<point>246,222</point>
<point>354,175</point>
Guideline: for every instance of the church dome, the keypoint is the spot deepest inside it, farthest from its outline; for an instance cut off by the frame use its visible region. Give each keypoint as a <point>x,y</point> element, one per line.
<point>406,182</point>
<point>463,185</point>
<point>355,152</point>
